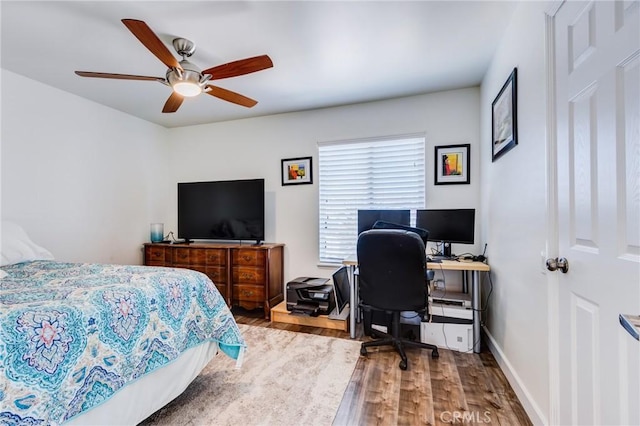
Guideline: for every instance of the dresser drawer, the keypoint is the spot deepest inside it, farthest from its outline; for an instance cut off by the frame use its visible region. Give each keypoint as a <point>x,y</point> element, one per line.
<point>157,256</point>
<point>248,275</point>
<point>216,257</point>
<point>247,257</point>
<point>218,274</point>
<point>197,256</point>
<point>181,256</point>
<point>248,293</point>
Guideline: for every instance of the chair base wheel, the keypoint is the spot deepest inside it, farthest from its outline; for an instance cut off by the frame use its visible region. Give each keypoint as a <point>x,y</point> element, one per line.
<point>403,365</point>
<point>363,350</point>
<point>435,354</point>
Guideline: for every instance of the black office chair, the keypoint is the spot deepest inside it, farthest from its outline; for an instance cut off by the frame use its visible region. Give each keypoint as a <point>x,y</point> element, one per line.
<point>391,276</point>
<point>381,318</point>
<point>422,233</point>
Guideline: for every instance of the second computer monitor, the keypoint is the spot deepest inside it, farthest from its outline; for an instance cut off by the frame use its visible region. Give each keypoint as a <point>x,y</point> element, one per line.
<point>366,218</point>
<point>448,226</point>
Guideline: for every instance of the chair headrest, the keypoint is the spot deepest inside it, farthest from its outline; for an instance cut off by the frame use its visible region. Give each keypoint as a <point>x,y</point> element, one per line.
<point>422,233</point>
<point>389,237</point>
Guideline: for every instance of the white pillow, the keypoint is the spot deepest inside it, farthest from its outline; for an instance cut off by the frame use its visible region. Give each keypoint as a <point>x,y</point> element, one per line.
<point>17,247</point>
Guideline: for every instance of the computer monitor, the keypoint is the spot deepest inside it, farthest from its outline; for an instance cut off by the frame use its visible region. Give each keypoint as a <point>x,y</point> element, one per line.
<point>366,218</point>
<point>341,288</point>
<point>448,226</point>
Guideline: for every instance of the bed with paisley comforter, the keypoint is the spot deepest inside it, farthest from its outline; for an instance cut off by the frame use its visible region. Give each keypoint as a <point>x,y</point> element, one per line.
<point>78,339</point>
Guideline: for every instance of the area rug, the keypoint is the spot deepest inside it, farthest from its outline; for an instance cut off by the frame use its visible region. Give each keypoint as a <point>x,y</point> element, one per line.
<point>286,378</point>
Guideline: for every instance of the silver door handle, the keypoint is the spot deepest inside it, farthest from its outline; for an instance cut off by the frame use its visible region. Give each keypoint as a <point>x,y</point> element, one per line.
<point>558,263</point>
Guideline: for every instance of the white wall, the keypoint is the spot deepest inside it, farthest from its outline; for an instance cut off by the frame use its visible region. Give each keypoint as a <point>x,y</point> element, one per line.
<point>253,148</point>
<point>84,180</point>
<point>514,213</point>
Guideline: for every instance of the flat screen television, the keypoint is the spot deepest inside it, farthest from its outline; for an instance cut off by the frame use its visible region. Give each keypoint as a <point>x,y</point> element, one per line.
<point>448,226</point>
<point>221,210</point>
<point>366,218</point>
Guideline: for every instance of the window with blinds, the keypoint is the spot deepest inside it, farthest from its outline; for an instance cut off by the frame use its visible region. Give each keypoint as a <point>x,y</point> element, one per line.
<point>380,173</point>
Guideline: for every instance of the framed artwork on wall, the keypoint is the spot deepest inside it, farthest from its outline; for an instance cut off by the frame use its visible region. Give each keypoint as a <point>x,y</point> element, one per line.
<point>297,171</point>
<point>452,164</point>
<point>504,126</point>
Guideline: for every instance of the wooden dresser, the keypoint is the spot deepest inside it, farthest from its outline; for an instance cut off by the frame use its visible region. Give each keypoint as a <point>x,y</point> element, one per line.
<point>250,276</point>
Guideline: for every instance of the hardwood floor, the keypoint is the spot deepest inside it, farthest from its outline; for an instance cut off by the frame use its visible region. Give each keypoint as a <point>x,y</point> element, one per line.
<point>456,388</point>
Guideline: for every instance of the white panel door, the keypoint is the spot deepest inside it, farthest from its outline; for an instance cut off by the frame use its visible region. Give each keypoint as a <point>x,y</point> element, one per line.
<point>597,102</point>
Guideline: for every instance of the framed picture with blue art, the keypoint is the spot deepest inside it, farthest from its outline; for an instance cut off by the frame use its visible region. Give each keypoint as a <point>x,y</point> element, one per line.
<point>296,171</point>
<point>452,164</point>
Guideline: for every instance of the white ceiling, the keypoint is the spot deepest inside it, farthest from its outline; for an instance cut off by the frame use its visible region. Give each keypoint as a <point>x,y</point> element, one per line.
<point>325,53</point>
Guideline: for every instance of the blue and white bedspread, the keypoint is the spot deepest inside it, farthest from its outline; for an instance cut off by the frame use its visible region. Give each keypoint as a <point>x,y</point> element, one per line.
<point>71,335</point>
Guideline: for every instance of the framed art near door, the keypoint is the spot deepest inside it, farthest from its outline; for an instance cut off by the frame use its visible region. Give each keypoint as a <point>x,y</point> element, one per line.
<point>504,125</point>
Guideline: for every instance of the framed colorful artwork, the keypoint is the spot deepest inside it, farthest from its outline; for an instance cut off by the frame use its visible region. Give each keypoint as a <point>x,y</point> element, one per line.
<point>297,171</point>
<point>504,123</point>
<point>452,164</point>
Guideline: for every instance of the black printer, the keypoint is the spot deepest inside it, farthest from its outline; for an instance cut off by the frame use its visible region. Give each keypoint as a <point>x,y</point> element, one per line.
<point>310,296</point>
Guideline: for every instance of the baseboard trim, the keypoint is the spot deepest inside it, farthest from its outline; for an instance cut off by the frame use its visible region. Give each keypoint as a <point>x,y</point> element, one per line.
<point>533,410</point>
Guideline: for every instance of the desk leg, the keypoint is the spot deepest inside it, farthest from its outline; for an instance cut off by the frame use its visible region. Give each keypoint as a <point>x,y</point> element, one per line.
<point>352,302</point>
<point>475,303</point>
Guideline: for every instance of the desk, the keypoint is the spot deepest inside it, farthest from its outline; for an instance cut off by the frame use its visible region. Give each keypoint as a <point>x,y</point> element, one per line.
<point>446,265</point>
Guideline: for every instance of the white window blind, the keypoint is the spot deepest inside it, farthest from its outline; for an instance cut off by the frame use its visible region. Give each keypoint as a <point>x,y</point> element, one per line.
<point>383,173</point>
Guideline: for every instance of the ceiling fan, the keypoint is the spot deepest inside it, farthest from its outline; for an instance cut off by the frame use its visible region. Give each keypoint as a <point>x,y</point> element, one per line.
<point>184,77</point>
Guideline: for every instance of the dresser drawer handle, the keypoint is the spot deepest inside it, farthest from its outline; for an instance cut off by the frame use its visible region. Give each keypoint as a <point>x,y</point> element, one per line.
<point>247,258</point>
<point>246,276</point>
<point>248,293</point>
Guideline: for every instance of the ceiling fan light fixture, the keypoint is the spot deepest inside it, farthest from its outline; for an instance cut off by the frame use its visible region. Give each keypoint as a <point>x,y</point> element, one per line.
<point>186,82</point>
<point>187,88</point>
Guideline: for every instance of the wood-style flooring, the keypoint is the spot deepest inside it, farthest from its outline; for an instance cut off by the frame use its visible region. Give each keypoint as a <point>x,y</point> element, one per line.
<point>456,388</point>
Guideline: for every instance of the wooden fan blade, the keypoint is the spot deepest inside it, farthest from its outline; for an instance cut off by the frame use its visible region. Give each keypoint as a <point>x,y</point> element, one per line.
<point>241,67</point>
<point>173,103</point>
<point>228,95</point>
<point>118,76</point>
<point>151,41</point>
